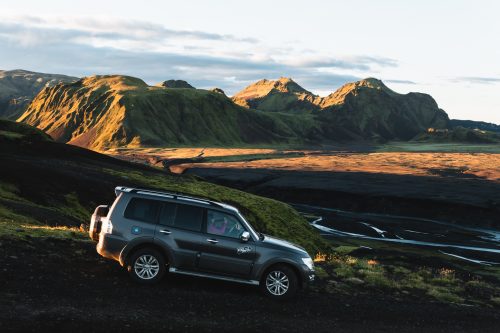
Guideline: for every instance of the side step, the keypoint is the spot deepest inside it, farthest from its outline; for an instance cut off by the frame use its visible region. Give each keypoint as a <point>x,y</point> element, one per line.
<point>212,276</point>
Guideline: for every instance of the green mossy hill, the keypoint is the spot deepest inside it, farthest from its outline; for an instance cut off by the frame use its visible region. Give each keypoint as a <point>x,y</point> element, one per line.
<point>471,124</point>
<point>362,110</point>
<point>458,134</point>
<point>19,87</point>
<point>12,131</point>
<point>48,183</point>
<point>102,112</point>
<point>375,112</point>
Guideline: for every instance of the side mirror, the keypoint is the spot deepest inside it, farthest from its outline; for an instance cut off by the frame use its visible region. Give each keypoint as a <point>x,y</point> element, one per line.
<point>245,236</point>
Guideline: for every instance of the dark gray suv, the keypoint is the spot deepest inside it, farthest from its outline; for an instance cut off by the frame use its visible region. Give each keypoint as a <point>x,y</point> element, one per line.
<point>149,232</point>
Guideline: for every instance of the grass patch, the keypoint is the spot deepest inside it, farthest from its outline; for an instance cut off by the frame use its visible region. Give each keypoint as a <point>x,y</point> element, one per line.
<point>14,225</point>
<point>343,268</point>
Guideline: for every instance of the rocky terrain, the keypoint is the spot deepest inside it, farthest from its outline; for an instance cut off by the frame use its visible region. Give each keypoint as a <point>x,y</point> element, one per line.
<point>19,87</point>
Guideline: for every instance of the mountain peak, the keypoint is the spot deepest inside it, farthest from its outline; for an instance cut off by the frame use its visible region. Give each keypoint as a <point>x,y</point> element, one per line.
<point>338,96</point>
<point>371,82</point>
<point>175,84</point>
<point>285,87</point>
<point>114,82</point>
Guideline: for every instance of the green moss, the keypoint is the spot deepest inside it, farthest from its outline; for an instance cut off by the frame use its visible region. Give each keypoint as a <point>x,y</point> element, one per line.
<point>495,301</point>
<point>13,131</point>
<point>345,249</point>
<point>74,207</point>
<point>9,191</point>
<point>378,279</point>
<point>444,295</point>
<point>14,225</point>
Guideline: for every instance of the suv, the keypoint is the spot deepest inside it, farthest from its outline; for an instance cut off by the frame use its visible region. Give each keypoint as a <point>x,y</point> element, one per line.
<point>149,232</point>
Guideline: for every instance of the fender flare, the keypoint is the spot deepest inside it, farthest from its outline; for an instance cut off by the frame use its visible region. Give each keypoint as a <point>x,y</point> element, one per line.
<point>143,242</point>
<point>277,261</point>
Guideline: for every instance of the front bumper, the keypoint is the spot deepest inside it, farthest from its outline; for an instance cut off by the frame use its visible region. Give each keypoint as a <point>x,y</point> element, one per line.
<point>308,276</point>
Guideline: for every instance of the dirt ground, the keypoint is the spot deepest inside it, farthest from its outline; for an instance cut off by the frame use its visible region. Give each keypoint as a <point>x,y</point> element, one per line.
<point>480,165</point>
<point>466,164</point>
<point>57,285</point>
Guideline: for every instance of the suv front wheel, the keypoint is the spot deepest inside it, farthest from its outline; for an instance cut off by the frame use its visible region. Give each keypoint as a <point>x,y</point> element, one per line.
<point>280,282</point>
<point>146,266</point>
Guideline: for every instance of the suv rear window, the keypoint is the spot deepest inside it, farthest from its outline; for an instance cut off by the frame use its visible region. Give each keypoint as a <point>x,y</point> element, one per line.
<point>189,217</point>
<point>142,210</point>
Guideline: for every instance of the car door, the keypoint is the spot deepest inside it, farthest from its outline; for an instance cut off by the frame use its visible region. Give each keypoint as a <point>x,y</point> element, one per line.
<point>223,251</point>
<point>179,229</point>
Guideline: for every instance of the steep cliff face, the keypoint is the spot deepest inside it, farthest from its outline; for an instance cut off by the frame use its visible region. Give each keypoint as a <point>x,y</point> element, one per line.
<point>19,87</point>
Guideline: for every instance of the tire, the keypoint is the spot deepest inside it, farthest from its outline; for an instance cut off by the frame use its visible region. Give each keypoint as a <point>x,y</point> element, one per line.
<point>146,266</point>
<point>280,282</point>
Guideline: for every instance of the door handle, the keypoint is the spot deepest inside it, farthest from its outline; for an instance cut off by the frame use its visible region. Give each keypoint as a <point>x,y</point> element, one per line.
<point>213,241</point>
<point>166,232</point>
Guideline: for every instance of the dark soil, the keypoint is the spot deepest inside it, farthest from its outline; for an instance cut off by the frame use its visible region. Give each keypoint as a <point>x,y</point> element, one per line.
<point>53,285</point>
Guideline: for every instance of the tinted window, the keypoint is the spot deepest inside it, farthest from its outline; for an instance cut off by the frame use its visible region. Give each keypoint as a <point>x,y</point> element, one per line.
<point>223,224</point>
<point>188,217</point>
<point>142,209</point>
<point>167,214</point>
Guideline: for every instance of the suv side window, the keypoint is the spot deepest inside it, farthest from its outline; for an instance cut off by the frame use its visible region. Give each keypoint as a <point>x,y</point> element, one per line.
<point>142,210</point>
<point>167,215</point>
<point>223,224</point>
<point>189,217</point>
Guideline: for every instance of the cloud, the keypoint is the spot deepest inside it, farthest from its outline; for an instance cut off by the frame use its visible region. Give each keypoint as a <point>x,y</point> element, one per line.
<point>477,79</point>
<point>86,46</point>
<point>355,62</point>
<point>400,81</point>
<point>133,30</point>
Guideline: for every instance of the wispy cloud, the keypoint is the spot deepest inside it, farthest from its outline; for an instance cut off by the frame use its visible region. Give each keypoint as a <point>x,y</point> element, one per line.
<point>400,81</point>
<point>477,79</point>
<point>85,46</point>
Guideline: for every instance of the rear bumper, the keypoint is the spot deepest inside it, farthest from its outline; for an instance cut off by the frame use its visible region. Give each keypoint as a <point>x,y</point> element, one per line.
<point>110,246</point>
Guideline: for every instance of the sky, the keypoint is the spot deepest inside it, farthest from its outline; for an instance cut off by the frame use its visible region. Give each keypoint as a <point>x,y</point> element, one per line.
<point>448,49</point>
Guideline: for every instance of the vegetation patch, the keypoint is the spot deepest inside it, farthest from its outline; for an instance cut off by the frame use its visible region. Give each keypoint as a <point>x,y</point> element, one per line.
<point>343,270</point>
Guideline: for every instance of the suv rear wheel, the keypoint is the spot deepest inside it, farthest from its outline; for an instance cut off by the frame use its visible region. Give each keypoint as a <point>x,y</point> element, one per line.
<point>280,282</point>
<point>146,266</point>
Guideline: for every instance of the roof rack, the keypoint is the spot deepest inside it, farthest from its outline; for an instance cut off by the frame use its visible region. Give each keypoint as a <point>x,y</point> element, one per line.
<point>173,195</point>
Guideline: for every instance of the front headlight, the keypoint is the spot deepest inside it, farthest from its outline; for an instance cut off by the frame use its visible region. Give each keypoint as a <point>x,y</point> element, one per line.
<point>309,263</point>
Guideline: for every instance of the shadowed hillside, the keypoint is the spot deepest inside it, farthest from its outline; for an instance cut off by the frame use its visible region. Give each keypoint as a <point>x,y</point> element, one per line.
<point>48,183</point>
<point>19,87</point>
